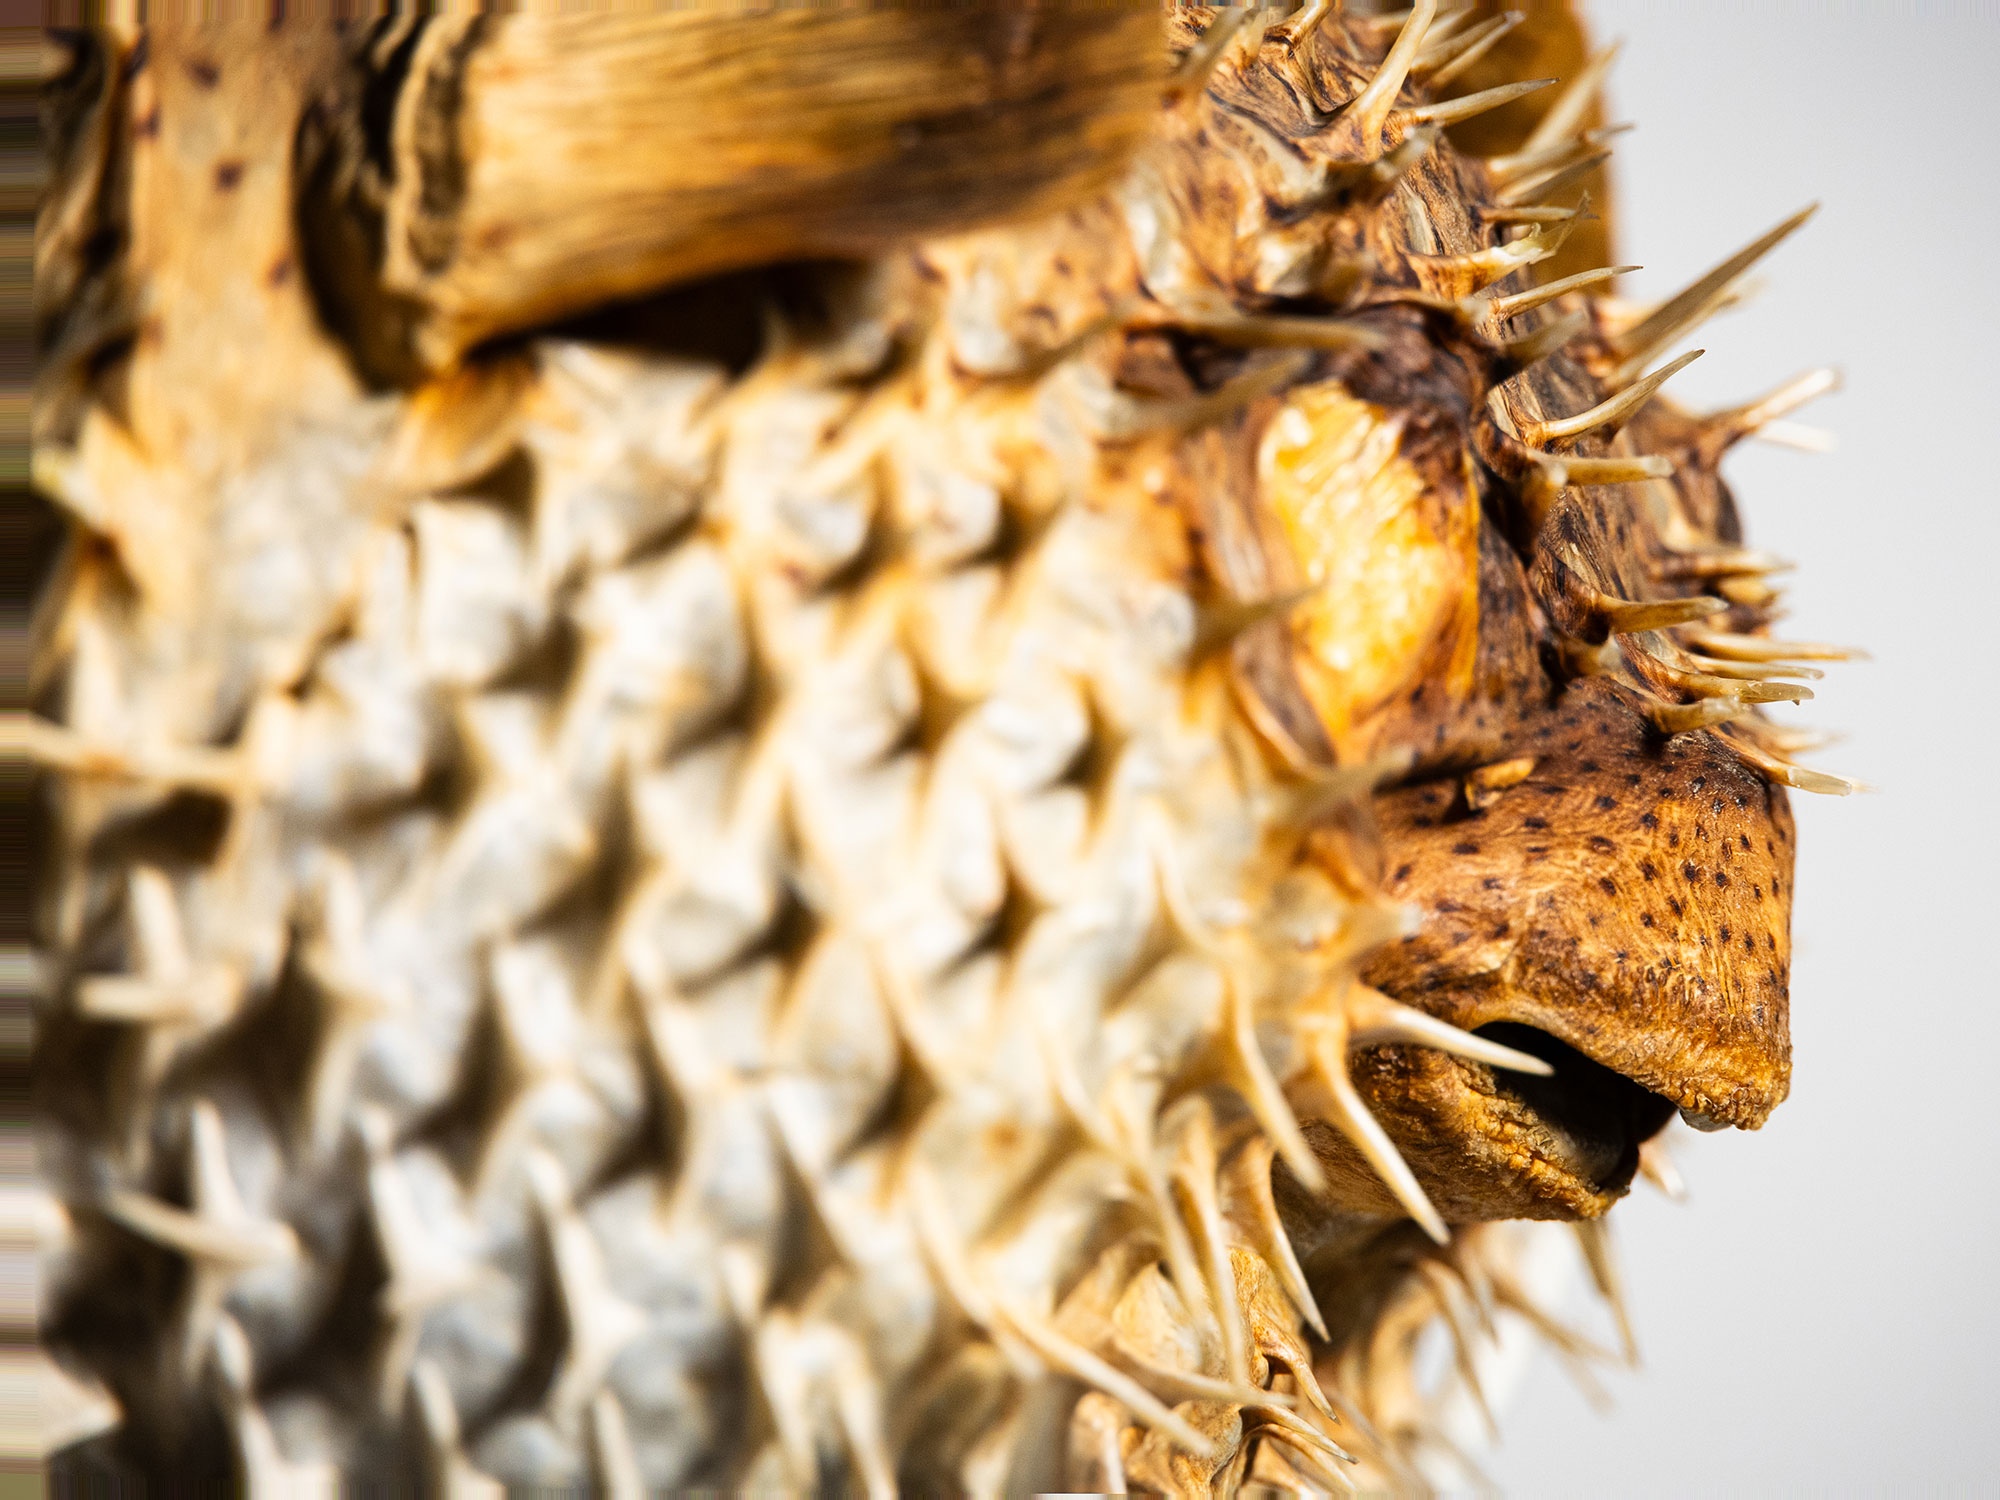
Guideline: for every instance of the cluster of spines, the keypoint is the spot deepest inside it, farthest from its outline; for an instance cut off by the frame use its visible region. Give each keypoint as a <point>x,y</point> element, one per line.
<point>1718,677</point>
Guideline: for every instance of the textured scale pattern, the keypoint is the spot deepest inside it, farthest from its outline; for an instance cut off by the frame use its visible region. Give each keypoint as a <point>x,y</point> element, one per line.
<point>621,915</point>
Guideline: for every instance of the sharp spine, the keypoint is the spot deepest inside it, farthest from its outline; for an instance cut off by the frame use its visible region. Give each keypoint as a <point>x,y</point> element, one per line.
<point>1219,625</point>
<point>1368,111</point>
<point>1747,589</point>
<point>1656,1165</point>
<point>1617,469</point>
<point>1555,180</point>
<point>1451,18</point>
<point>1611,413</point>
<point>1693,304</point>
<point>1799,778</point>
<point>1595,1238</point>
<point>1468,106</point>
<point>1131,417</point>
<point>1754,690</point>
<point>1481,268</point>
<point>1723,562</point>
<point>1526,213</point>
<point>1704,713</point>
<point>1519,166</point>
<point>1760,648</point>
<point>1075,1360</point>
<point>1472,50</point>
<point>1482,788</point>
<point>1629,616</point>
<point>1566,114</point>
<point>1753,672</point>
<point>1352,1118</point>
<point>1373,1018</point>
<point>1513,305</point>
<point>1727,428</point>
<point>1445,24</point>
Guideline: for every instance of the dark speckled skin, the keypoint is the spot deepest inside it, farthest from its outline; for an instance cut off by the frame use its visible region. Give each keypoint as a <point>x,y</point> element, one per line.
<point>1631,898</point>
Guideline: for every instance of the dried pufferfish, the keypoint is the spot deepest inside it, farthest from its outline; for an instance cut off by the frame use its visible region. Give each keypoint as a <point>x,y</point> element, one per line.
<point>982,867</point>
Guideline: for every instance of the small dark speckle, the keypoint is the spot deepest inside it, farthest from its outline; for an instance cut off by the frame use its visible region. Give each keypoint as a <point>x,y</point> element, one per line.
<point>1605,804</point>
<point>1757,1013</point>
<point>1607,885</point>
<point>1648,869</point>
<point>1534,823</point>
<point>280,272</point>
<point>1602,844</point>
<point>1490,883</point>
<point>1673,838</point>
<point>1649,820</point>
<point>1690,871</point>
<point>1771,941</point>
<point>1538,849</point>
<point>205,73</point>
<point>1449,906</point>
<point>1743,839</point>
<point>1593,919</point>
<point>1645,919</point>
<point>1501,930</point>
<point>1402,873</point>
<point>1464,847</point>
<point>1426,821</point>
<point>1591,767</point>
<point>1749,943</point>
<point>1721,879</point>
<point>1727,932</point>
<point>1698,783</point>
<point>227,175</point>
<point>148,126</point>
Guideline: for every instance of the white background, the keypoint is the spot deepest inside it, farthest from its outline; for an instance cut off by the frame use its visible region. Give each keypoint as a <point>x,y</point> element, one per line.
<point>1824,1315</point>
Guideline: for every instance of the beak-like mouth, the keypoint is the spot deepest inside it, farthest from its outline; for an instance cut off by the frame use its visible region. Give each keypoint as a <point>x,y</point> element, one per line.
<point>1620,914</point>
<point>1583,1119</point>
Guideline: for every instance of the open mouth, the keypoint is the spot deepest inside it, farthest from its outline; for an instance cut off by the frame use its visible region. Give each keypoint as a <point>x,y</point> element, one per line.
<point>1591,1120</point>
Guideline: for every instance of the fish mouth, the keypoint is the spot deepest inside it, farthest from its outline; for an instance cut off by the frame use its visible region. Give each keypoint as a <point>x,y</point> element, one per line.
<point>1583,1121</point>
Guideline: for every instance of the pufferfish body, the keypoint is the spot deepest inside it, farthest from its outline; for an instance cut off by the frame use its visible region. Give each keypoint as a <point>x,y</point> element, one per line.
<point>968,765</point>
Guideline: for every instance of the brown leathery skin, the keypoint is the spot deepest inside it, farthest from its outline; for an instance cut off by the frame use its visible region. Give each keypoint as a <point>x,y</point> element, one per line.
<point>1631,897</point>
